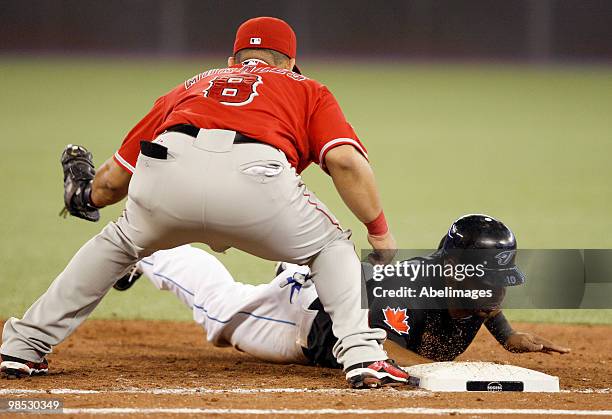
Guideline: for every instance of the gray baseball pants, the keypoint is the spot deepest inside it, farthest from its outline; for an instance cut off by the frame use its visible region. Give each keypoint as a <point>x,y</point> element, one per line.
<point>213,191</point>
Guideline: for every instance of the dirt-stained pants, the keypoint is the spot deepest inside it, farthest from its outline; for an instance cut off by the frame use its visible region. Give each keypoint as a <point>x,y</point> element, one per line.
<point>213,191</point>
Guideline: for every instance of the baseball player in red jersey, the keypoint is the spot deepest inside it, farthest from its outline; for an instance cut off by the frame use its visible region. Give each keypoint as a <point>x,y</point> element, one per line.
<point>217,160</point>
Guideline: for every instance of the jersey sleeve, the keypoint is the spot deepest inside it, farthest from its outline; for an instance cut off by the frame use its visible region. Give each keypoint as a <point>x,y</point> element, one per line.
<point>328,128</point>
<point>127,154</point>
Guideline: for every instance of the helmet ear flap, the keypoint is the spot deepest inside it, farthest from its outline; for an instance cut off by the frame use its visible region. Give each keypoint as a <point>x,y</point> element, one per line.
<point>441,245</point>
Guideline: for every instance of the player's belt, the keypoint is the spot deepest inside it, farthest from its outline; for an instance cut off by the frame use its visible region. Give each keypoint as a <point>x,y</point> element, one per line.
<point>193,131</point>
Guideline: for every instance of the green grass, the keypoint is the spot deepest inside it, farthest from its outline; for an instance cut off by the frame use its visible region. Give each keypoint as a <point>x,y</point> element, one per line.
<point>530,146</point>
<point>587,316</point>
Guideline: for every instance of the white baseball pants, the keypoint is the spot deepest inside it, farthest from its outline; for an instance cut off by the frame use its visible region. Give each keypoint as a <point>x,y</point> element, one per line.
<point>266,321</point>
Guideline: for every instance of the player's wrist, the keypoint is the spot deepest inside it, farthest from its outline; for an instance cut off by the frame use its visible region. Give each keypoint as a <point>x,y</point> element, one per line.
<point>500,328</point>
<point>87,197</point>
<point>378,226</point>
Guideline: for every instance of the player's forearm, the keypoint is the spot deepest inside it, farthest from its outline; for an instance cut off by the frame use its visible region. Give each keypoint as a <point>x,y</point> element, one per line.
<point>355,182</point>
<point>499,327</point>
<point>110,185</point>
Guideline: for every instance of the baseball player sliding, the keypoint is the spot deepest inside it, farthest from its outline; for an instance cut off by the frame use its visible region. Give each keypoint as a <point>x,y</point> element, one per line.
<point>284,321</point>
<point>217,161</point>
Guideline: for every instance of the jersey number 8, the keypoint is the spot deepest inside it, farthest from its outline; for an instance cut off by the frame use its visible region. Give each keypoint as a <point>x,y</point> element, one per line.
<point>233,90</point>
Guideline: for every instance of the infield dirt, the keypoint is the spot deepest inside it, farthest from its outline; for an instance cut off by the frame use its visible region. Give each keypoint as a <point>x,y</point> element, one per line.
<point>126,360</point>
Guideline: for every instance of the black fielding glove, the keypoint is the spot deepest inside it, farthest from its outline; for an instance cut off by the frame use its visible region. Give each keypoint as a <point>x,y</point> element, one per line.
<point>79,172</point>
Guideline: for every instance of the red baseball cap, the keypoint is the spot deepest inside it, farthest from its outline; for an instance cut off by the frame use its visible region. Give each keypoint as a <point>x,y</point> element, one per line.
<point>269,33</point>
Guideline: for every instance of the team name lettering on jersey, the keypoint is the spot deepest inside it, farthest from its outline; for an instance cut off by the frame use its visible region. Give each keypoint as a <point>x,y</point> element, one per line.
<point>244,69</point>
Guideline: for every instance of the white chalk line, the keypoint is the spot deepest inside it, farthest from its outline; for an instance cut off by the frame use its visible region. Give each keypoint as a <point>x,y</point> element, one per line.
<point>589,391</point>
<point>405,410</point>
<point>203,390</point>
<point>328,391</point>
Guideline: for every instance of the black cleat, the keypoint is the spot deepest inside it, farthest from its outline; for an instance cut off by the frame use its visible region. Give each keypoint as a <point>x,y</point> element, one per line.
<point>127,280</point>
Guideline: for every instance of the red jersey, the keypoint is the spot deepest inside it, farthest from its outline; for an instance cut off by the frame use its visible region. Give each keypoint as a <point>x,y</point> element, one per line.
<point>275,106</point>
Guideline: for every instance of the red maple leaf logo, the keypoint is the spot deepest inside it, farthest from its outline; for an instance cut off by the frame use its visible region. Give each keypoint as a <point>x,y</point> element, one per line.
<point>397,319</point>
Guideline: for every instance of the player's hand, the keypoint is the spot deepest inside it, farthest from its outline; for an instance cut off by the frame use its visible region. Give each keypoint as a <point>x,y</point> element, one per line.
<point>385,248</point>
<point>526,342</point>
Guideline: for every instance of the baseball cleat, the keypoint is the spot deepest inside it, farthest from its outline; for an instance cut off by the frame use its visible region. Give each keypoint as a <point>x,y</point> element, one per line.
<point>13,368</point>
<point>127,280</point>
<point>376,374</point>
